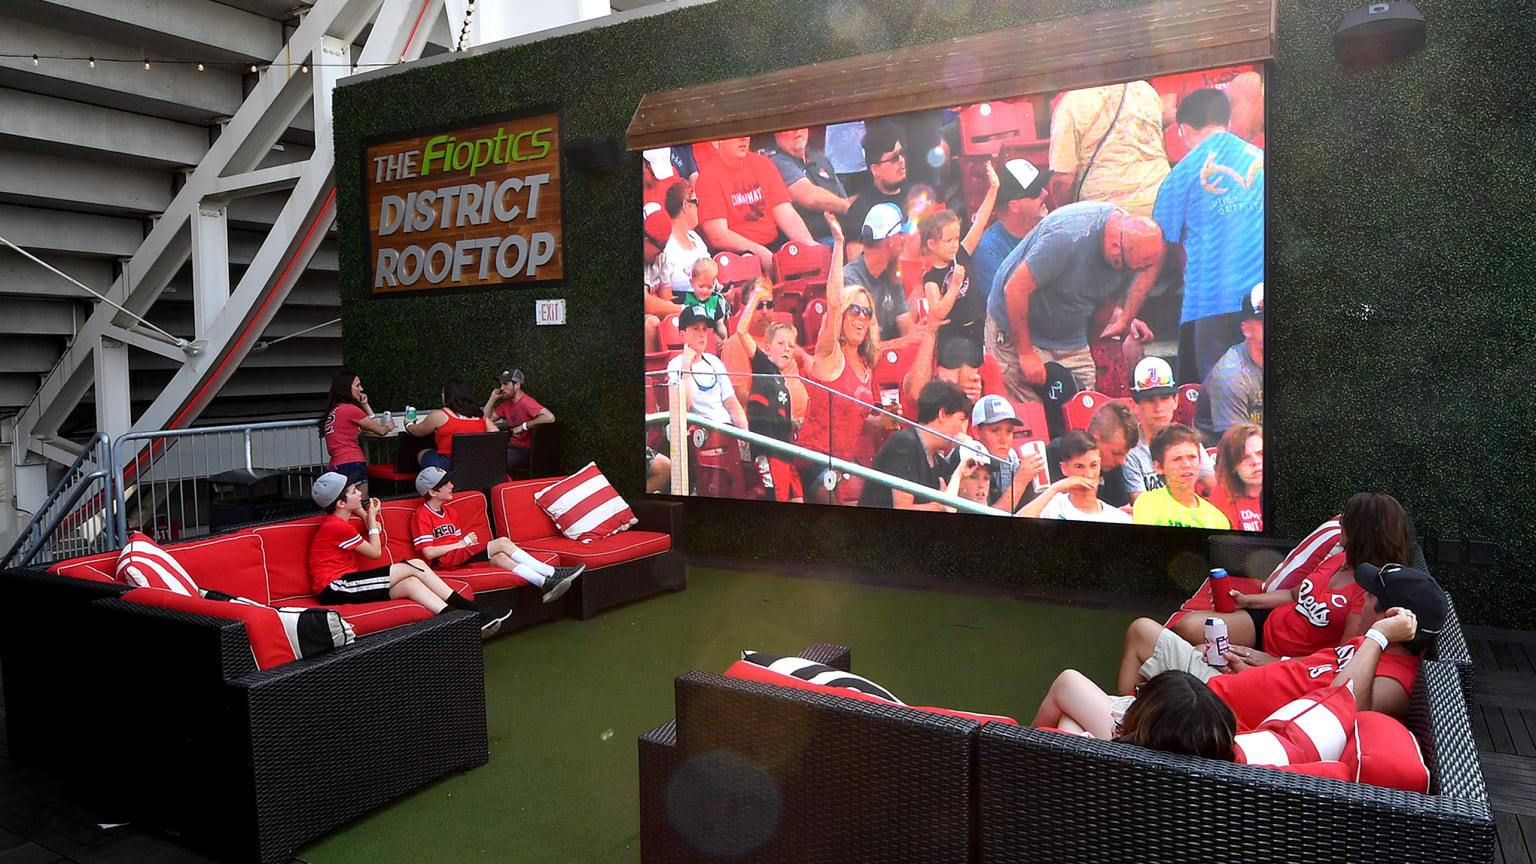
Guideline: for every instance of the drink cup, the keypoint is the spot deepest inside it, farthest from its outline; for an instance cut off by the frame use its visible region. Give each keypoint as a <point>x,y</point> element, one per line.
<point>1221,591</point>
<point>1043,476</point>
<point>1216,642</point>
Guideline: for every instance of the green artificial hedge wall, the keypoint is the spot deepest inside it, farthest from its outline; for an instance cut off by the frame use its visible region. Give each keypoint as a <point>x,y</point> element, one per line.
<point>1401,214</point>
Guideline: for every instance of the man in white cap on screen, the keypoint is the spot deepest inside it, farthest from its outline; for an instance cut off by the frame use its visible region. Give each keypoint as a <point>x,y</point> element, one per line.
<point>875,270</point>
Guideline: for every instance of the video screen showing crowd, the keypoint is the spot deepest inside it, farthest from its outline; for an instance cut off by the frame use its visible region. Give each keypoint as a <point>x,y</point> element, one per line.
<point>1048,307</point>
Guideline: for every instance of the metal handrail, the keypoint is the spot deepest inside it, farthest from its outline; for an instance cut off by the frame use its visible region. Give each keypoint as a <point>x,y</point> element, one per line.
<point>975,448</point>
<point>118,469</point>
<point>914,489</point>
<point>97,446</point>
<point>53,523</point>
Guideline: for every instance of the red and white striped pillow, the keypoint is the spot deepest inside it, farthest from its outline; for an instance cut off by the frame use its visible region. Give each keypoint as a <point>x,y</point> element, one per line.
<point>1321,544</point>
<point>585,506</point>
<point>1315,728</point>
<point>143,564</point>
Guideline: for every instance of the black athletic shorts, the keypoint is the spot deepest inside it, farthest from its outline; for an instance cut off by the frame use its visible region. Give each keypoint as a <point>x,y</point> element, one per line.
<point>363,586</point>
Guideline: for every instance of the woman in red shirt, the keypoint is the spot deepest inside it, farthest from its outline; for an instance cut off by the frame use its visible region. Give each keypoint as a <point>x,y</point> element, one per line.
<point>1240,477</point>
<point>460,415</point>
<point>844,361</point>
<point>347,411</point>
<point>1324,609</point>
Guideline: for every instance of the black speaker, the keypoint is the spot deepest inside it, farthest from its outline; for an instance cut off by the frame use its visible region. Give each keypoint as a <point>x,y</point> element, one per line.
<point>594,153</point>
<point>1377,33</point>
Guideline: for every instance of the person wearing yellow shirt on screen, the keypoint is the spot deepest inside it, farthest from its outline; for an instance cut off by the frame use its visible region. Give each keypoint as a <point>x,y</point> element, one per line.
<point>1107,145</point>
<point>1176,454</point>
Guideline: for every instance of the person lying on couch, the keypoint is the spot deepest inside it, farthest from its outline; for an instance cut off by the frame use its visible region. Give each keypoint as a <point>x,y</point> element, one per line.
<point>333,562</point>
<point>1174,711</point>
<point>436,537</point>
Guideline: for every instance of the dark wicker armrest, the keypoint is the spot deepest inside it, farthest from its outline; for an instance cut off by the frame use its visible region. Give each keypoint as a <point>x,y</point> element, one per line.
<point>828,654</point>
<point>1451,647</point>
<point>184,641</point>
<point>658,515</point>
<point>31,586</point>
<point>1437,715</point>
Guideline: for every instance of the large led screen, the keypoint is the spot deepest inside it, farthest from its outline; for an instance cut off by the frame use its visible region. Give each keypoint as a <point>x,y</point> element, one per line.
<point>1047,307</point>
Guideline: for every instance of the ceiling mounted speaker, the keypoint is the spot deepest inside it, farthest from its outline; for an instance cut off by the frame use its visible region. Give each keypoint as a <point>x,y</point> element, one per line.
<point>1378,33</point>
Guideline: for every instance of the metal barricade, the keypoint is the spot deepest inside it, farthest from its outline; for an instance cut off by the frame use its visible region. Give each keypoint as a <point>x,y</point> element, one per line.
<point>176,483</point>
<point>76,519</point>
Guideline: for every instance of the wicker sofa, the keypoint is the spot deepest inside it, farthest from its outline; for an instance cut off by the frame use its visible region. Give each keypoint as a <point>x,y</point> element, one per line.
<point>760,773</point>
<point>193,740</point>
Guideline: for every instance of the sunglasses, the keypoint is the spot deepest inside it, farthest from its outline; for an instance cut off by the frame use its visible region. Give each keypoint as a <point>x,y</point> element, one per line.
<point>858,311</point>
<point>894,157</point>
<point>693,201</point>
<point>765,304</point>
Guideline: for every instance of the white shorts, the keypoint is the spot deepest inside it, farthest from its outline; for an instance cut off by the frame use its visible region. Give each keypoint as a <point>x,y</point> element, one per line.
<point>1172,652</point>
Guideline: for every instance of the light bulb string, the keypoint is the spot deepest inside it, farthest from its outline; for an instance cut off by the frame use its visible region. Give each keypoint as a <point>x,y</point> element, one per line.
<point>150,62</point>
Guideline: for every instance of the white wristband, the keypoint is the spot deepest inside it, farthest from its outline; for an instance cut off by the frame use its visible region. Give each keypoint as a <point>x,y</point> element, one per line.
<point>372,531</point>
<point>1377,636</point>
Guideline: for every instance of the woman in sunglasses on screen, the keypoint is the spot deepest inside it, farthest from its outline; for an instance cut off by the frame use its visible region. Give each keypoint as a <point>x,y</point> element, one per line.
<point>844,360</point>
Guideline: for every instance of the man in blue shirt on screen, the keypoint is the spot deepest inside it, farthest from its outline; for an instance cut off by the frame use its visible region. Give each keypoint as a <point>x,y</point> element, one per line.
<point>1212,206</point>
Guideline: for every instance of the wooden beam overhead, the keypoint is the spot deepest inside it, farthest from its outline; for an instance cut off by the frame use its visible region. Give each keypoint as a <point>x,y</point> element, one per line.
<point>1068,53</point>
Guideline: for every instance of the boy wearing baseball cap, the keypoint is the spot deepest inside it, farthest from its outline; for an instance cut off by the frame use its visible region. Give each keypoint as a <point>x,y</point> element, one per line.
<point>1154,399</point>
<point>706,382</point>
<point>437,538</point>
<point>332,555</point>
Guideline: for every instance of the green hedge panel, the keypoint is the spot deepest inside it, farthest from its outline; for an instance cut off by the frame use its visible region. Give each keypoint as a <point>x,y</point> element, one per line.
<point>1401,212</point>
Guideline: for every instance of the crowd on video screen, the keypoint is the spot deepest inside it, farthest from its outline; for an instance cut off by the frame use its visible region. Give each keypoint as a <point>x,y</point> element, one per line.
<point>1049,307</point>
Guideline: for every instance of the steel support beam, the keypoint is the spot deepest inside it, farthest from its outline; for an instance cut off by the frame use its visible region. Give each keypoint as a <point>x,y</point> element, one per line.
<point>114,415</point>
<point>210,263</point>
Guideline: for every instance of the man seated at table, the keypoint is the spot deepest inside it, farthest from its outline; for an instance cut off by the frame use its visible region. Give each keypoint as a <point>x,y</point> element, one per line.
<point>517,412</point>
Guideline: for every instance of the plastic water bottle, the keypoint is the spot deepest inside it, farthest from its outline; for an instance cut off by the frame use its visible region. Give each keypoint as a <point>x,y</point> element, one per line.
<point>1221,592</point>
<point>388,419</point>
<point>410,414</point>
<point>1216,642</point>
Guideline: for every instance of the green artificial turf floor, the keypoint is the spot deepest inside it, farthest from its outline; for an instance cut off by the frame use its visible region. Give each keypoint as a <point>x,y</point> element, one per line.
<point>566,701</point>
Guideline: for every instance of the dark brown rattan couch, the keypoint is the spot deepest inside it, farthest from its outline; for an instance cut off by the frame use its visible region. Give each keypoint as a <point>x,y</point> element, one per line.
<point>162,719</point>
<point>757,773</point>
<point>1047,796</point>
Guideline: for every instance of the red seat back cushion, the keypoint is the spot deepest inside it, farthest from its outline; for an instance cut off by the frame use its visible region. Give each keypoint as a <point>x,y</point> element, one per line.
<point>234,564</point>
<point>752,672</point>
<point>468,510</point>
<point>287,548</point>
<point>395,519</point>
<point>263,627</point>
<point>1385,753</point>
<point>518,516</point>
<point>585,506</point>
<point>96,568</point>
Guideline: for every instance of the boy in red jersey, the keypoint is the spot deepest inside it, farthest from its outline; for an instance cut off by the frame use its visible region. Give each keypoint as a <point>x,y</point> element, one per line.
<point>333,566</point>
<point>436,537</point>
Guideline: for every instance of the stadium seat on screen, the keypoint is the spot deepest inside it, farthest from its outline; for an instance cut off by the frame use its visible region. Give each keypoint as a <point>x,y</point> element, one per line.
<point>736,268</point>
<point>1189,400</point>
<point>1079,409</point>
<point>803,261</point>
<point>789,296</point>
<point>986,126</point>
<point>1032,419</point>
<point>815,310</point>
<point>892,365</point>
<point>671,338</point>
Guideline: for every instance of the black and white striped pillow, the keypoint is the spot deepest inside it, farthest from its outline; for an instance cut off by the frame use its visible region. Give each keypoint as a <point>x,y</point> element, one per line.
<point>309,631</point>
<point>817,673</point>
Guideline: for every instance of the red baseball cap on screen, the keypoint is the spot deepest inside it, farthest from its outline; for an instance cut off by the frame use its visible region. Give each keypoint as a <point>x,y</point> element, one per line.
<point>1131,242</point>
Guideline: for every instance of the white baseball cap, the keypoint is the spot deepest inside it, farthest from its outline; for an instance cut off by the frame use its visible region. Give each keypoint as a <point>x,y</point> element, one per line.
<point>884,220</point>
<point>660,160</point>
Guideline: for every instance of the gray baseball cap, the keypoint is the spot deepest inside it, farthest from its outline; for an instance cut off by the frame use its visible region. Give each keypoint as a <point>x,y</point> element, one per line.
<point>328,487</point>
<point>512,375</point>
<point>429,479</point>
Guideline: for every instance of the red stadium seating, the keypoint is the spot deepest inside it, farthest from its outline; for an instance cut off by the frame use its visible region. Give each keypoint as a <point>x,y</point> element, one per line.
<point>1079,409</point>
<point>986,126</point>
<point>1114,378</point>
<point>1032,416</point>
<point>736,268</point>
<point>1189,400</point>
<point>801,261</point>
<point>892,365</point>
<point>789,296</point>
<point>815,310</point>
<point>671,338</point>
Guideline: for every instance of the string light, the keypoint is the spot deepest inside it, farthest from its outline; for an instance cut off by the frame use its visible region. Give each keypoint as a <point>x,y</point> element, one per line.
<point>146,65</point>
<point>199,67</point>
<point>253,67</point>
<point>34,59</point>
<point>304,68</point>
<point>92,61</point>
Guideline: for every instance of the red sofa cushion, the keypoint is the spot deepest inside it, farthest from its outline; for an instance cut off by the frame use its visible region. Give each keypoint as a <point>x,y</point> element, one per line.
<point>395,519</point>
<point>1314,728</point>
<point>1385,753</point>
<point>368,618</point>
<point>518,516</point>
<point>287,549</point>
<point>752,672</point>
<point>264,629</point>
<point>1201,601</point>
<point>96,568</point>
<point>624,546</point>
<point>585,506</point>
<point>234,564</point>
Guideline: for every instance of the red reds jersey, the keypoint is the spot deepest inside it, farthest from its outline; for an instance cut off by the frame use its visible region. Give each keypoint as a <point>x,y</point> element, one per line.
<point>1316,619</point>
<point>330,553</point>
<point>1254,694</point>
<point>430,528</point>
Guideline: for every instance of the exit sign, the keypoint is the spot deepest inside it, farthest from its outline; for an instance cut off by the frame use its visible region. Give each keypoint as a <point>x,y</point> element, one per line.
<point>549,312</point>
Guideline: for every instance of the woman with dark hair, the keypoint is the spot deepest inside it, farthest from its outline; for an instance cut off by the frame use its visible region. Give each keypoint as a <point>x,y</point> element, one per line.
<point>346,411</point>
<point>1324,609</point>
<point>1240,477</point>
<point>1174,711</point>
<point>460,415</point>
